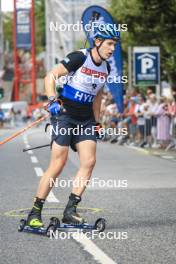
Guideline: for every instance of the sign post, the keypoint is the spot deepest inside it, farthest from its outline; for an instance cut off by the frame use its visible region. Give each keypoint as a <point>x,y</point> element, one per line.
<point>24,38</point>
<point>146,66</point>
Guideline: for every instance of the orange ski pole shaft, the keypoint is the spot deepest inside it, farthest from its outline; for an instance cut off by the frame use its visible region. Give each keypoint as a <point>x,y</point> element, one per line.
<point>23,130</point>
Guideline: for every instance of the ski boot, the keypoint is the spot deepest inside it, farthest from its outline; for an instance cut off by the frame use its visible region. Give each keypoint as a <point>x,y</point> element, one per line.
<point>34,218</point>
<point>70,216</point>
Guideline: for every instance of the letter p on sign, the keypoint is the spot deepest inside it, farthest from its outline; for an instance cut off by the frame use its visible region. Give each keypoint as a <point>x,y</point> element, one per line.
<point>146,64</point>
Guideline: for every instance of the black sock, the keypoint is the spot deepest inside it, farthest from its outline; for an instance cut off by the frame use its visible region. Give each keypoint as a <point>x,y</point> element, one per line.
<point>38,203</point>
<point>75,197</point>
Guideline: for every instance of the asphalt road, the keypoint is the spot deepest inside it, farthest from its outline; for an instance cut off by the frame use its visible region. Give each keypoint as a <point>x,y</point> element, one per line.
<point>141,215</point>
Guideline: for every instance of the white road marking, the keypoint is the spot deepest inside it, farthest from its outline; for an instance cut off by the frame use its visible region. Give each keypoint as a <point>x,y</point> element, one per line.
<point>167,157</point>
<point>30,152</point>
<point>38,171</point>
<point>155,154</point>
<point>25,137</point>
<point>34,159</point>
<point>95,251</point>
<point>51,197</point>
<point>138,149</point>
<point>25,140</point>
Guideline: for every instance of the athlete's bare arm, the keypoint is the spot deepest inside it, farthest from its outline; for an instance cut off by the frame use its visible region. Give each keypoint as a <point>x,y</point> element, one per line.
<point>50,78</point>
<point>97,105</point>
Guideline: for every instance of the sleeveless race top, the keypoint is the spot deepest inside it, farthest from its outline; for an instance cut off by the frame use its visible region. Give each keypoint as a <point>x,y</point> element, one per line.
<point>80,87</point>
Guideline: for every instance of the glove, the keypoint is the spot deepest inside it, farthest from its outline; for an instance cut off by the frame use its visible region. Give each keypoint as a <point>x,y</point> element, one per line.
<point>54,108</point>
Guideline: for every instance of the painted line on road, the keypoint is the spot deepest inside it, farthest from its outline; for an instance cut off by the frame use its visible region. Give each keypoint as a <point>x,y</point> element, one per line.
<point>25,138</point>
<point>38,171</point>
<point>91,247</point>
<point>30,152</point>
<point>48,211</point>
<point>154,154</point>
<point>138,149</point>
<point>34,159</point>
<point>51,198</point>
<point>167,157</point>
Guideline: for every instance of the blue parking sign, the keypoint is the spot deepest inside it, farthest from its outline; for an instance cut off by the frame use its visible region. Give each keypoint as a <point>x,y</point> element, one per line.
<point>146,66</point>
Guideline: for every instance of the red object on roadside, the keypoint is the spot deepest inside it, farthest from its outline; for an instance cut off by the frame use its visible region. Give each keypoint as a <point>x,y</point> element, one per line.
<point>18,74</point>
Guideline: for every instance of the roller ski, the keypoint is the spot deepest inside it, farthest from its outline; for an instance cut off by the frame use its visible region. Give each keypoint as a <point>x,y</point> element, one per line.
<point>72,220</point>
<point>55,224</point>
<point>99,225</point>
<point>33,223</point>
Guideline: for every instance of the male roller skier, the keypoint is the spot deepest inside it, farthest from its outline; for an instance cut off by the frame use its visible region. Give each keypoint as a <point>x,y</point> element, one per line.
<point>81,100</point>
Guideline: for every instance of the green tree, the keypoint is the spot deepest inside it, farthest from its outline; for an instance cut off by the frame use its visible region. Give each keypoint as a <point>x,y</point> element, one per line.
<point>8,28</point>
<point>150,22</point>
<point>40,25</point>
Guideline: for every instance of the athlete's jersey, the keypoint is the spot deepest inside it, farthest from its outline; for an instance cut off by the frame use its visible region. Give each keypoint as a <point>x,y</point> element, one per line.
<point>85,79</point>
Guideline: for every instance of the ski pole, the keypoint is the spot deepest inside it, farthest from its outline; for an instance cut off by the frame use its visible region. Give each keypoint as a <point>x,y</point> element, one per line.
<point>23,130</point>
<point>43,146</point>
<point>32,124</point>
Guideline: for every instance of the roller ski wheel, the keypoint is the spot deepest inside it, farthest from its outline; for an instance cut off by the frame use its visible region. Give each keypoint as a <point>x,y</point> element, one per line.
<point>21,225</point>
<point>55,221</point>
<point>53,226</point>
<point>100,224</point>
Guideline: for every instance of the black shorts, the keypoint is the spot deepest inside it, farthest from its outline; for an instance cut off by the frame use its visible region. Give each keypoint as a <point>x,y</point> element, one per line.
<point>141,130</point>
<point>148,127</point>
<point>67,131</point>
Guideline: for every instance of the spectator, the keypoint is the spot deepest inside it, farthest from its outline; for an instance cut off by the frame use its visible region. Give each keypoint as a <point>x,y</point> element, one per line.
<point>112,112</point>
<point>147,122</point>
<point>148,94</point>
<point>172,111</point>
<point>163,123</point>
<point>147,127</point>
<point>139,112</point>
<point>153,106</point>
<point>12,118</point>
<point>132,119</point>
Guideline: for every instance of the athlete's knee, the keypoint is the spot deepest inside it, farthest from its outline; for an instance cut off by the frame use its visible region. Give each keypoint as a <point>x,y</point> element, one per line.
<point>89,163</point>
